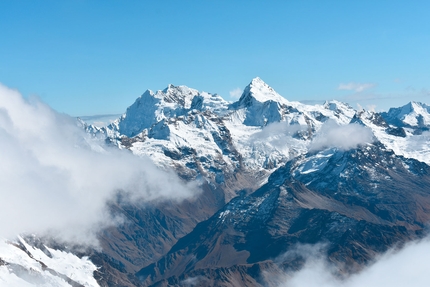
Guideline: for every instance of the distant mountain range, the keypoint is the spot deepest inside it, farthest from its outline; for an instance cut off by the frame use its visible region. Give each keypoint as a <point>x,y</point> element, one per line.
<point>274,175</point>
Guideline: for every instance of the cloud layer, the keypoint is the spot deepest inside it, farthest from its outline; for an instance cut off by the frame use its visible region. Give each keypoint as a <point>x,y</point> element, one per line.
<point>278,134</point>
<point>407,267</point>
<point>344,137</point>
<point>55,178</point>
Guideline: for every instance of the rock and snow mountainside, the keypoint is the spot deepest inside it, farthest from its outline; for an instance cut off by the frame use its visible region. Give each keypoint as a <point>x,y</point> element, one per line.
<point>358,203</point>
<point>274,174</point>
<point>344,197</point>
<point>28,262</point>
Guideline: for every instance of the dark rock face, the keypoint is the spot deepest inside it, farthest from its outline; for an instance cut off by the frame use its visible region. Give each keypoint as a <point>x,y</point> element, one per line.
<point>148,232</point>
<point>399,132</point>
<point>361,203</point>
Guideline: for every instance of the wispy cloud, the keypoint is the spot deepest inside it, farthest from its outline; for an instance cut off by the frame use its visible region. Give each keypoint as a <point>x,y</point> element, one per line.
<point>236,93</point>
<point>56,179</point>
<point>356,87</point>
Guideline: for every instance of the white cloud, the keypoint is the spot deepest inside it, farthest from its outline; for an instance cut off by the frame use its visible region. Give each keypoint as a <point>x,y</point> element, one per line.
<point>236,93</point>
<point>55,178</point>
<point>193,281</point>
<point>357,87</point>
<point>344,137</point>
<point>371,108</point>
<point>407,267</point>
<point>278,134</point>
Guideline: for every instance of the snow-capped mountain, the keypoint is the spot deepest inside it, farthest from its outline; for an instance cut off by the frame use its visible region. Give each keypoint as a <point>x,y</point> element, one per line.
<point>200,134</point>
<point>273,173</point>
<point>409,141</point>
<point>413,115</point>
<point>173,102</point>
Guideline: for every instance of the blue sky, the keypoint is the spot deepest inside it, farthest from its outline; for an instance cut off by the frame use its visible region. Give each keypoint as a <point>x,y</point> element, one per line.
<point>96,57</point>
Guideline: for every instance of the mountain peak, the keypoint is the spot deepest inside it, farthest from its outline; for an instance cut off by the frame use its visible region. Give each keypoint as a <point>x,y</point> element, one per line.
<point>261,92</point>
<point>257,81</point>
<point>181,95</point>
<point>413,114</point>
<point>418,106</point>
<point>169,87</point>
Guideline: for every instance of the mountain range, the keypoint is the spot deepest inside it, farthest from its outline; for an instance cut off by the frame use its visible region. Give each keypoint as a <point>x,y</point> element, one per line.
<point>274,177</point>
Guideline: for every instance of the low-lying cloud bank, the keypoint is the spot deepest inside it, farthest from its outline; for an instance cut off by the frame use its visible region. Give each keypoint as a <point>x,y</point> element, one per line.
<point>55,178</point>
<point>330,135</point>
<point>406,267</point>
<point>344,137</point>
<point>277,134</point>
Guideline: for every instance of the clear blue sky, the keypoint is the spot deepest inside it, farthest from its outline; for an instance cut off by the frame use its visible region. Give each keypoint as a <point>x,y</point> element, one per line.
<point>96,57</point>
